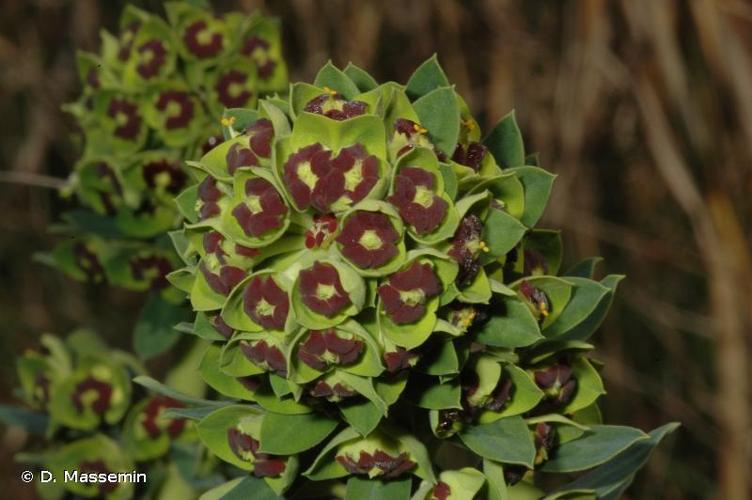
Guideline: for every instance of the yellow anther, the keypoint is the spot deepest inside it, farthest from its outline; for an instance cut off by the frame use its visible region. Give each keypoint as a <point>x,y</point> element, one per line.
<point>469,123</point>
<point>543,307</point>
<point>330,91</point>
<point>482,245</point>
<point>227,121</point>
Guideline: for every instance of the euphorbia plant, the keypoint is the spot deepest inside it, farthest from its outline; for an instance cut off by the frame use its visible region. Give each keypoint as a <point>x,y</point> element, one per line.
<point>151,98</point>
<point>84,414</point>
<point>383,314</point>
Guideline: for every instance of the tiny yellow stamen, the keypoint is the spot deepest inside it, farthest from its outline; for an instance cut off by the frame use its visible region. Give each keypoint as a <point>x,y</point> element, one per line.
<point>330,91</point>
<point>543,309</point>
<point>469,123</point>
<point>227,121</point>
<point>482,245</point>
<point>420,129</point>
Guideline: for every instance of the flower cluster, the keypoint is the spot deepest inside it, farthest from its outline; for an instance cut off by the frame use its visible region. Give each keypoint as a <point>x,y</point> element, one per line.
<point>80,402</point>
<point>153,97</point>
<point>365,265</point>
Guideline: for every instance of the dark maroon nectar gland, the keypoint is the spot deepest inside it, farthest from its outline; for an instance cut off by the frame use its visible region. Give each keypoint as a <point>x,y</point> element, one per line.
<point>322,290</point>
<point>332,105</point>
<point>258,49</point>
<point>263,209</point>
<point>201,41</point>
<point>125,115</point>
<point>406,293</point>
<point>152,56</point>
<point>177,107</point>
<point>416,200</point>
<point>233,90</point>
<point>368,239</point>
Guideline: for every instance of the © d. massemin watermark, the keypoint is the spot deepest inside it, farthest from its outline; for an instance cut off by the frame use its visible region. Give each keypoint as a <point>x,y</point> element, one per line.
<point>74,476</point>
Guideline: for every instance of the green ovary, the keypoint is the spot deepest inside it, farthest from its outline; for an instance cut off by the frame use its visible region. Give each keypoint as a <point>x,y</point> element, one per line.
<point>235,89</point>
<point>306,175</point>
<point>204,37</point>
<point>162,179</point>
<point>325,292</point>
<point>264,308</point>
<point>412,297</point>
<point>121,119</point>
<point>423,196</point>
<point>173,108</point>
<point>370,240</point>
<point>254,204</point>
<point>354,176</point>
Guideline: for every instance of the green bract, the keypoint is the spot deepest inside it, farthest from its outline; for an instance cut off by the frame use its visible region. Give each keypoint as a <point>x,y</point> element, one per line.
<point>381,309</point>
<point>82,408</point>
<point>154,96</point>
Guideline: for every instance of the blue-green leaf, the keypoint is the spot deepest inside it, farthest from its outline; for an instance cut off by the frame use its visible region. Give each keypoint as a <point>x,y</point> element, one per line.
<point>505,142</point>
<point>537,183</point>
<point>331,76</point>
<point>155,329</point>
<point>507,440</point>
<point>373,489</point>
<point>360,78</point>
<point>290,434</point>
<point>439,112</point>
<point>612,478</point>
<point>429,76</point>
<point>596,446</point>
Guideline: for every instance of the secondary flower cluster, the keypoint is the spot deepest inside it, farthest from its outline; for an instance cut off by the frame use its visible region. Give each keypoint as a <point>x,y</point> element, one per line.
<point>151,98</point>
<point>83,403</point>
<point>366,269</point>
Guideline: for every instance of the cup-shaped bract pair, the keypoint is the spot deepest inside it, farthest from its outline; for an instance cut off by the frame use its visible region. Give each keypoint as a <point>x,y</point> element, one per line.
<point>152,98</point>
<point>366,267</point>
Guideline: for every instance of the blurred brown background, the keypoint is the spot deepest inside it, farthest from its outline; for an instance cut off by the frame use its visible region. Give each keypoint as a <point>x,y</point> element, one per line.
<point>643,108</point>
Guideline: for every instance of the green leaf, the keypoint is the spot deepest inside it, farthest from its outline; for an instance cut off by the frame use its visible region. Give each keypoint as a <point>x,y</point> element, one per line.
<point>497,486</point>
<point>525,395</point>
<point>612,478</point>
<point>505,142</point>
<point>322,468</point>
<point>585,268</point>
<point>439,396</point>
<point>363,416</point>
<point>237,120</point>
<point>501,232</point>
<point>373,489</point>
<point>155,329</point>
<point>596,446</point>
<point>226,385</point>
<point>506,440</point>
<point>212,430</point>
<point>533,159</point>
<point>586,295</point>
<point>33,422</point>
<point>548,243</point>
<point>241,488</point>
<point>360,78</point>
<point>512,325</point>
<point>589,385</point>
<point>441,359</point>
<point>159,388</point>
<point>186,203</point>
<point>439,112</point>
<point>558,292</point>
<point>429,76</point>
<point>290,434</point>
<point>585,329</point>
<point>537,183</point>
<point>331,76</point>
